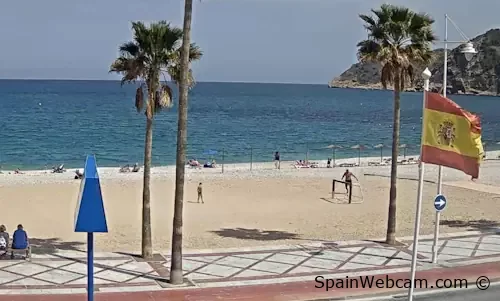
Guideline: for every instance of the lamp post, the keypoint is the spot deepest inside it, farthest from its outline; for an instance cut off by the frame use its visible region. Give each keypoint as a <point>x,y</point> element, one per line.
<point>418,212</point>
<point>468,50</point>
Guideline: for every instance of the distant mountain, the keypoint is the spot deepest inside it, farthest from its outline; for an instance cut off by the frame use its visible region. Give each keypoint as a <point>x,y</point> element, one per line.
<point>479,76</point>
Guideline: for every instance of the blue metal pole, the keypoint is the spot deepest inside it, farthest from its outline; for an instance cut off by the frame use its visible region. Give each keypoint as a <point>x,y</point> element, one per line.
<point>90,266</point>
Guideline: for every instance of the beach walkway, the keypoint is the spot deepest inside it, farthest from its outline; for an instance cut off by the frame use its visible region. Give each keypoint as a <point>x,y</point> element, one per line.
<point>260,273</point>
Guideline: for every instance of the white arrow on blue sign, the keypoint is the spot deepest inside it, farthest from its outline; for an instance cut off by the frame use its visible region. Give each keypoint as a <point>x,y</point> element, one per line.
<point>439,202</point>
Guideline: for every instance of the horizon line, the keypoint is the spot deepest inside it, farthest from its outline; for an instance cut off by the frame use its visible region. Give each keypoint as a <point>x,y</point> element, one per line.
<point>117,80</point>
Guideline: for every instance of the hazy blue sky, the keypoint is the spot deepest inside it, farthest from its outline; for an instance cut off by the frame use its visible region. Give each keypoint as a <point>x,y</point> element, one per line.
<point>306,41</point>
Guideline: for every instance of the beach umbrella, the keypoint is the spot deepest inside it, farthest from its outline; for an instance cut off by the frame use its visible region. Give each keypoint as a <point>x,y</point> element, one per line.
<point>381,146</point>
<point>359,147</point>
<point>404,147</point>
<point>334,148</point>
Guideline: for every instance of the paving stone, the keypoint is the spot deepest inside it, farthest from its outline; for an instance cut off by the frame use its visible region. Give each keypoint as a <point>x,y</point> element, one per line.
<point>447,257</point>
<point>199,276</point>
<point>456,251</point>
<point>369,259</point>
<point>206,259</point>
<point>355,266</point>
<point>8,277</point>
<point>6,263</point>
<point>304,269</point>
<point>351,250</point>
<point>422,248</point>
<point>218,270</point>
<point>322,263</point>
<point>115,276</point>
<point>238,262</point>
<point>253,273</point>
<point>27,268</point>
<point>334,255</point>
<point>57,276</point>
<point>111,263</point>
<point>489,247</point>
<point>127,289</point>
<point>493,239</point>
<point>467,239</point>
<point>485,253</point>
<point>56,263</point>
<point>136,267</point>
<point>254,255</point>
<point>386,252</point>
<point>461,244</point>
<point>80,268</point>
<point>402,255</point>
<point>300,253</point>
<point>83,281</point>
<point>142,280</point>
<point>273,267</point>
<point>398,262</point>
<point>189,265</point>
<point>30,281</point>
<point>286,258</point>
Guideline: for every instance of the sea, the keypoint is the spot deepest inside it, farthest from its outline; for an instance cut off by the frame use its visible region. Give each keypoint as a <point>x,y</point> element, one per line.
<point>44,123</point>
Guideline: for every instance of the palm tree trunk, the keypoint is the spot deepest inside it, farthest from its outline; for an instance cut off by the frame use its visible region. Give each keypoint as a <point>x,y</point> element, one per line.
<point>391,222</point>
<point>176,264</point>
<point>147,248</point>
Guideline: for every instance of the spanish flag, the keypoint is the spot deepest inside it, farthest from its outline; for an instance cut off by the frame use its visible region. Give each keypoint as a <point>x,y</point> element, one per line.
<point>451,136</point>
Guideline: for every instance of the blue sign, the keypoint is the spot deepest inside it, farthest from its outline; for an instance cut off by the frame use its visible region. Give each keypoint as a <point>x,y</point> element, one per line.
<point>89,213</point>
<point>439,202</point>
<point>90,216</point>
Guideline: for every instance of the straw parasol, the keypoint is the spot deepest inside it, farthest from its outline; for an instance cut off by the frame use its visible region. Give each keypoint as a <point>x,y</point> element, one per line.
<point>334,148</point>
<point>381,146</point>
<point>359,147</point>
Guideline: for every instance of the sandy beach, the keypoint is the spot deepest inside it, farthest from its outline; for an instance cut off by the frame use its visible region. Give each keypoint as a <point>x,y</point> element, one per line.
<point>248,208</point>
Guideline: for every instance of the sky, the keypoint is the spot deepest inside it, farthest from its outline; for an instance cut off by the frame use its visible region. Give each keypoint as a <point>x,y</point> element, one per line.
<point>285,41</point>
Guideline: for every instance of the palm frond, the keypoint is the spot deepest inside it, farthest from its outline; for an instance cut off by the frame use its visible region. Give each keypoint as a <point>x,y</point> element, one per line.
<point>139,99</point>
<point>195,52</point>
<point>129,49</point>
<point>154,49</point>
<point>387,75</point>
<point>398,39</point>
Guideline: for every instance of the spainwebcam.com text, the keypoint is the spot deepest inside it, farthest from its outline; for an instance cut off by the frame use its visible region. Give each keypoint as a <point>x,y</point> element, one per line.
<point>482,283</point>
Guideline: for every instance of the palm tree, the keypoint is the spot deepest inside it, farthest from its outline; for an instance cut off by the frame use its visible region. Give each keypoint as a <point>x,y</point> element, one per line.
<point>152,53</point>
<point>184,83</point>
<point>400,40</point>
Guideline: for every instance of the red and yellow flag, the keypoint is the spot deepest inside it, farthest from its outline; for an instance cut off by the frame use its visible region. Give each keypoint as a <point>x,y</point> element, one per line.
<point>451,136</point>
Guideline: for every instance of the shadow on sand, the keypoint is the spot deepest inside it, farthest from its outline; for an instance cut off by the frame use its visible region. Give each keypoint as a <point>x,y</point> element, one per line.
<point>482,225</point>
<point>255,234</point>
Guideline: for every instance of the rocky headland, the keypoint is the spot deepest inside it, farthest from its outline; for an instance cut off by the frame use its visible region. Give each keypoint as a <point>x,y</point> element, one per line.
<point>479,76</point>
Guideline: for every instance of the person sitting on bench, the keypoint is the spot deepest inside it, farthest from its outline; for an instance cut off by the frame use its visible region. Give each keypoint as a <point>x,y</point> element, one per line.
<point>20,240</point>
<point>4,240</point>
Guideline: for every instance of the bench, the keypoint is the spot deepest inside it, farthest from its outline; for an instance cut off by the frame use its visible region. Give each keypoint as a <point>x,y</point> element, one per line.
<point>26,252</point>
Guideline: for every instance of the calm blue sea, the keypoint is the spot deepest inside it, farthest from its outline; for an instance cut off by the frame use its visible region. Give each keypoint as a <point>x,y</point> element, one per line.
<point>48,122</point>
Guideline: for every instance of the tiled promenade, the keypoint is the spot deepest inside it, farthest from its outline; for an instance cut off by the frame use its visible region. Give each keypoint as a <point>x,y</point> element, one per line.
<point>64,272</point>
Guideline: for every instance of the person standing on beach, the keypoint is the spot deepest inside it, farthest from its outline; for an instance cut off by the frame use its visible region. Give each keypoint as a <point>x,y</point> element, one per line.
<point>277,160</point>
<point>348,181</point>
<point>200,194</point>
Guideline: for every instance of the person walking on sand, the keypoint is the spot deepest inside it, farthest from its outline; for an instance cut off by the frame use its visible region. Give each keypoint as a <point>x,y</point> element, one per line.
<point>200,194</point>
<point>277,160</point>
<point>348,181</point>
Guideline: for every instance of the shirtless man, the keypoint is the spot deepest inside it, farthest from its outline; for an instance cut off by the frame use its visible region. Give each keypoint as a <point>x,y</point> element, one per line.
<point>348,181</point>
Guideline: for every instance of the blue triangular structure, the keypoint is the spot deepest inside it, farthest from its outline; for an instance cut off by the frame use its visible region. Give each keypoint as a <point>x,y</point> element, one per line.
<point>89,213</point>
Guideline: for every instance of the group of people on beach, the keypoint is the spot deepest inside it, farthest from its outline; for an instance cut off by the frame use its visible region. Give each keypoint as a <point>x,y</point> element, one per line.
<point>19,239</point>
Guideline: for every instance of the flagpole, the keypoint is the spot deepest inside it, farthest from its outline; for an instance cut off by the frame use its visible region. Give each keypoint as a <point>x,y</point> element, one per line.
<point>437,219</point>
<point>426,75</point>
